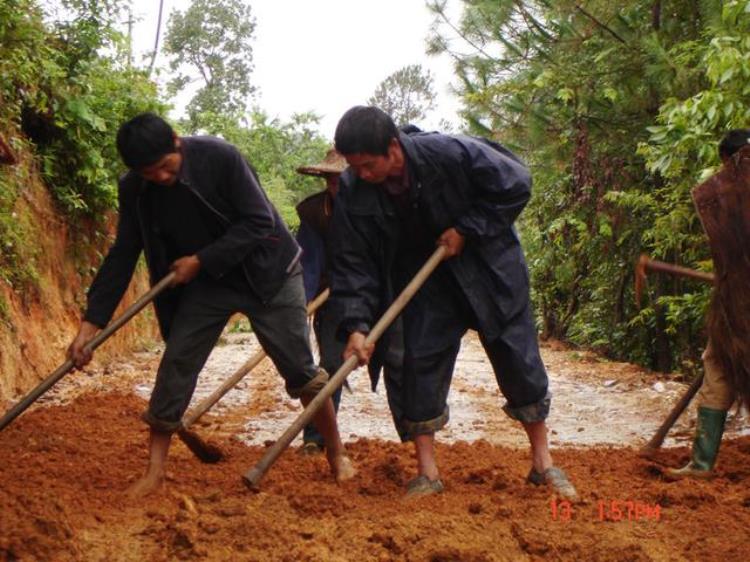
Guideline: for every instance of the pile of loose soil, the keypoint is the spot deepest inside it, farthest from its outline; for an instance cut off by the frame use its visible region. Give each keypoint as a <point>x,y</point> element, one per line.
<point>65,469</point>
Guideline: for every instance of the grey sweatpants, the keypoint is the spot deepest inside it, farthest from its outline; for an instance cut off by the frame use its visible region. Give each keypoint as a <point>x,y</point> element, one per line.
<point>204,310</point>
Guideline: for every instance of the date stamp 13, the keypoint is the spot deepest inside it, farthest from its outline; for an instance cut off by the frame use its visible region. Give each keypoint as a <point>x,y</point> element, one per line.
<point>609,510</point>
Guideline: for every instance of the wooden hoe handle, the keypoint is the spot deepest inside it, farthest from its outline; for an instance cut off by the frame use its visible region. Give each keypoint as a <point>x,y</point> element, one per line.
<point>656,441</point>
<point>253,476</point>
<point>95,342</point>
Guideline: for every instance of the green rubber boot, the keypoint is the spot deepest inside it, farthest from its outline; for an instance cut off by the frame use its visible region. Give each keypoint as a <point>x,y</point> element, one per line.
<point>708,434</point>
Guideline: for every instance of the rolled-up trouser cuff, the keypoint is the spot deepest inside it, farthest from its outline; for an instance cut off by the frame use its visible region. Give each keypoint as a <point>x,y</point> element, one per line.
<point>412,428</point>
<point>530,413</point>
<point>161,426</point>
<point>311,388</point>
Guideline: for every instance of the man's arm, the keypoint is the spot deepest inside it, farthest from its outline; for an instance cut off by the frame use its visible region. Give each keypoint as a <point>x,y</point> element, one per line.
<point>355,278</point>
<point>254,223</point>
<point>502,188</point>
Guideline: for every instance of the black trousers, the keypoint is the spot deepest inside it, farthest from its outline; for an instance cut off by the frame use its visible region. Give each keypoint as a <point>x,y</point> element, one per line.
<point>434,323</point>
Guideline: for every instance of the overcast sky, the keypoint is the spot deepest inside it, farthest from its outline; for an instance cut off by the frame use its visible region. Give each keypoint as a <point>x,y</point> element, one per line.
<point>325,55</point>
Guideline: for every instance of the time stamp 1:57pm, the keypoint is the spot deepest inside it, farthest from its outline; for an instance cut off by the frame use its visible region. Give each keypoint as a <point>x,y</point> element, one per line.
<point>608,510</point>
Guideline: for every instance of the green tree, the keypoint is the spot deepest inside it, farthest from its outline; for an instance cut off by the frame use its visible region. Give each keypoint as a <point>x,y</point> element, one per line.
<point>210,43</point>
<point>617,109</point>
<point>407,95</point>
<point>66,87</point>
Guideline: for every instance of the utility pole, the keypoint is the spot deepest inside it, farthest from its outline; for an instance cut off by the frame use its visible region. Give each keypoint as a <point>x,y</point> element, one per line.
<point>156,41</point>
<point>130,38</point>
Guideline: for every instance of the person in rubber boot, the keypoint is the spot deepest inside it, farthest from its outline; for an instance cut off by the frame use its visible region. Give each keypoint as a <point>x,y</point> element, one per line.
<point>723,204</point>
<point>405,191</point>
<point>194,206</point>
<point>315,213</point>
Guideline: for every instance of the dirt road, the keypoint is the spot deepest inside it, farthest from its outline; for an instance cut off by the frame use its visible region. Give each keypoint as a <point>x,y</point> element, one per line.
<point>67,461</point>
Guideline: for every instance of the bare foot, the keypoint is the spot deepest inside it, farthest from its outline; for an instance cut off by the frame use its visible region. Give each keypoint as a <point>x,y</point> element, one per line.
<point>342,468</point>
<point>146,485</point>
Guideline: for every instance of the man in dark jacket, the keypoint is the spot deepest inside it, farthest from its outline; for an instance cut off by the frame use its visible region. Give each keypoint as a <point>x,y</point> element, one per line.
<point>401,194</point>
<point>315,216</point>
<point>194,206</point>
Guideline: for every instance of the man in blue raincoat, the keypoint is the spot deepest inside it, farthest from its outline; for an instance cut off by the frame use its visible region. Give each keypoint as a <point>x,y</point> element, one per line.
<point>402,194</point>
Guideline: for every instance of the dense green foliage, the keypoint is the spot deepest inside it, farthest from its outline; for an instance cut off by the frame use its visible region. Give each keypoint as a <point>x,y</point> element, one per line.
<point>618,108</point>
<point>275,150</point>
<point>67,97</point>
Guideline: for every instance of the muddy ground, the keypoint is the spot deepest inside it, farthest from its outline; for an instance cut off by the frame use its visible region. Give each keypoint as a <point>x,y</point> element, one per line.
<point>67,462</point>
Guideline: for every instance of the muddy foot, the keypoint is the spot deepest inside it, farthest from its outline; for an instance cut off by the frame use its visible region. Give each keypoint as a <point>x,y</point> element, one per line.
<point>423,486</point>
<point>342,468</point>
<point>145,486</point>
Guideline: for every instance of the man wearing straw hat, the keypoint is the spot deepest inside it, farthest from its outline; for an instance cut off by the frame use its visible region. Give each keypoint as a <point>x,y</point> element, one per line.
<point>315,214</point>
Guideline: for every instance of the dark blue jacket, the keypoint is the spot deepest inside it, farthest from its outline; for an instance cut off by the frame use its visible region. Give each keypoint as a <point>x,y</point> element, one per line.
<point>315,214</point>
<point>473,185</point>
<point>248,232</point>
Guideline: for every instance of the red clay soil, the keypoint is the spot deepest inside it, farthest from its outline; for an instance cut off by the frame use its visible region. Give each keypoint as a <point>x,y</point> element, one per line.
<point>65,469</point>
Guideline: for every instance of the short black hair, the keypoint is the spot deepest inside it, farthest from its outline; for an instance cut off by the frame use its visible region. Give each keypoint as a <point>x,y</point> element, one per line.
<point>365,130</point>
<point>144,140</point>
<point>733,141</point>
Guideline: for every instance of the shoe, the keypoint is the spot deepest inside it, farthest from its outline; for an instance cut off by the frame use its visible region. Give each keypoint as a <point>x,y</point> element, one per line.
<point>423,486</point>
<point>311,448</point>
<point>708,434</point>
<point>557,479</point>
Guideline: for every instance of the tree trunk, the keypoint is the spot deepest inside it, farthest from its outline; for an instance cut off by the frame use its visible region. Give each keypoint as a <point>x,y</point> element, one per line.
<point>662,358</point>
<point>656,15</point>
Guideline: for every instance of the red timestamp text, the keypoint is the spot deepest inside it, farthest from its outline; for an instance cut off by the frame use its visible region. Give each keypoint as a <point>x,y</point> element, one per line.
<point>608,510</point>
<point>618,510</point>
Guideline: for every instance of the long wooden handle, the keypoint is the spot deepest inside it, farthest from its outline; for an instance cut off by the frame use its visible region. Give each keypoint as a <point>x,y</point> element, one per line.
<point>656,265</point>
<point>192,416</point>
<point>661,433</point>
<point>95,342</point>
<point>645,264</point>
<point>253,477</point>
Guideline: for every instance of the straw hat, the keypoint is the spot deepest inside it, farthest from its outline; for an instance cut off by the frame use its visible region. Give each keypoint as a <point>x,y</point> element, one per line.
<point>333,163</point>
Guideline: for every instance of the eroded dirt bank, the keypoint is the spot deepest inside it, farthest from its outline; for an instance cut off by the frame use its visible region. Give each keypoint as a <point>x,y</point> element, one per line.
<point>66,464</point>
<point>38,321</point>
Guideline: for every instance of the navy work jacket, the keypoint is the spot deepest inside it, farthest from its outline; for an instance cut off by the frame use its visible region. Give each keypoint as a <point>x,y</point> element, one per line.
<point>247,230</point>
<point>473,185</point>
